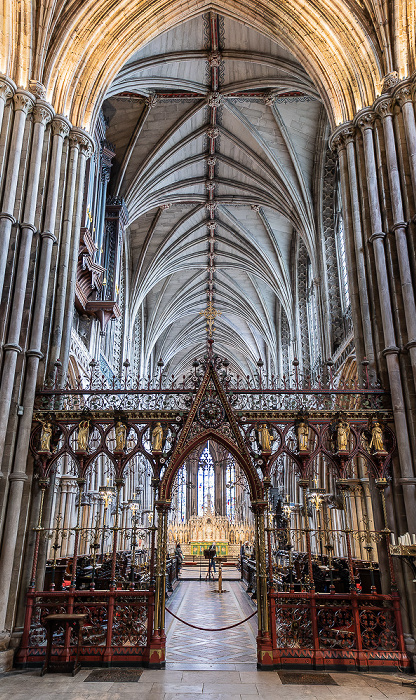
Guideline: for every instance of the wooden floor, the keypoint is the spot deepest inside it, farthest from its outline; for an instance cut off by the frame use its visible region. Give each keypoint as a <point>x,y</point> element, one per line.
<point>198,603</point>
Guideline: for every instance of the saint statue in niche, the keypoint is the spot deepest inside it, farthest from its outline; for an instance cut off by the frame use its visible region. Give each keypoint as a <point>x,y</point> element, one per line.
<point>343,433</point>
<point>157,438</point>
<point>377,442</point>
<point>302,430</point>
<point>83,435</point>
<point>45,437</point>
<point>121,433</point>
<point>265,438</point>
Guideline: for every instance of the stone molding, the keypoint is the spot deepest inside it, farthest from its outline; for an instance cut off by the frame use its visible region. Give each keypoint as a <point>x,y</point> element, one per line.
<point>12,347</point>
<point>48,234</point>
<point>18,476</point>
<point>377,235</point>
<point>391,350</point>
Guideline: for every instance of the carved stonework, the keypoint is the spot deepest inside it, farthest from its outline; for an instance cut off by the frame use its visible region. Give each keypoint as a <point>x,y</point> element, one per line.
<point>389,81</point>
<point>404,95</point>
<point>6,89</point>
<point>214,99</point>
<point>37,89</point>
<point>213,132</point>
<point>23,102</point>
<point>366,120</point>
<point>214,59</point>
<point>384,108</point>
<point>42,114</point>
<point>60,126</point>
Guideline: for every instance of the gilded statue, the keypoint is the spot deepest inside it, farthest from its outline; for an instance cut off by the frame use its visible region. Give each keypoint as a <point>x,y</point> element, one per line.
<point>343,433</point>
<point>83,435</point>
<point>121,434</point>
<point>45,437</point>
<point>302,430</point>
<point>157,438</point>
<point>377,442</point>
<point>265,438</point>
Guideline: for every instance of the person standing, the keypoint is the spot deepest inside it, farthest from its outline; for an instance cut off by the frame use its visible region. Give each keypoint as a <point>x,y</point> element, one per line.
<point>179,556</point>
<point>212,553</point>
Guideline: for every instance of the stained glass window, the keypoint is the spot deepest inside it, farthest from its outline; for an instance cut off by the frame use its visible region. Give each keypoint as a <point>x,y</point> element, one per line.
<point>206,482</point>
<point>230,490</point>
<point>342,263</point>
<point>181,502</point>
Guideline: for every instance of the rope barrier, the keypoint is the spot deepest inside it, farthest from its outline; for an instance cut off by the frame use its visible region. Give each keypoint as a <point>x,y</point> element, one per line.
<point>210,629</point>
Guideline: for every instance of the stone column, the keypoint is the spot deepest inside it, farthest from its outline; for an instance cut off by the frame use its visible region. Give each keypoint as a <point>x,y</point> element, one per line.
<point>343,140</point>
<point>86,146</point>
<point>391,351</point>
<point>34,354</point>
<point>7,90</point>
<point>383,107</point>
<point>64,252</point>
<point>42,113</point>
<point>403,96</point>
<point>23,103</point>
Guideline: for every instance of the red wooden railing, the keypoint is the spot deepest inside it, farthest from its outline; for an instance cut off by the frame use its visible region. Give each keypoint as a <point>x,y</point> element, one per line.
<point>118,627</point>
<point>337,630</point>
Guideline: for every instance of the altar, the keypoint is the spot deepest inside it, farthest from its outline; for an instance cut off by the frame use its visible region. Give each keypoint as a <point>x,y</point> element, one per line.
<point>197,548</point>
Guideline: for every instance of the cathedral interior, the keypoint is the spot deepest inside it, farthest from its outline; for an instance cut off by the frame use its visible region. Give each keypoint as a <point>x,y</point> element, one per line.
<point>208,347</point>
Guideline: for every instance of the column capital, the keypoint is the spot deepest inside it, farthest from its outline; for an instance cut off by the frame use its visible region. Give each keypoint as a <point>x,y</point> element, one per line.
<point>342,135</point>
<point>83,140</point>
<point>61,126</point>
<point>384,106</point>
<point>365,119</point>
<point>43,112</point>
<point>7,88</point>
<point>23,101</point>
<point>403,93</point>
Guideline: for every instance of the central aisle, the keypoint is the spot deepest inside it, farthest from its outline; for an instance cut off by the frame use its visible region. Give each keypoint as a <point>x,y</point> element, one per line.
<point>197,603</point>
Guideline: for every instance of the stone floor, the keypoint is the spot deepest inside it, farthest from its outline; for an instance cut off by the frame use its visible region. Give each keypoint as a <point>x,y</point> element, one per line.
<point>203,685</point>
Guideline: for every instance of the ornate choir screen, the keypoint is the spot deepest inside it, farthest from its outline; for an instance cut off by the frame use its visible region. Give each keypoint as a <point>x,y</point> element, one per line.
<point>316,462</point>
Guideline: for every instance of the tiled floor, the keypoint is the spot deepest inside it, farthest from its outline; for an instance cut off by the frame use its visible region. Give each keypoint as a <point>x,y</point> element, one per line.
<point>191,572</point>
<point>199,604</point>
<point>203,685</point>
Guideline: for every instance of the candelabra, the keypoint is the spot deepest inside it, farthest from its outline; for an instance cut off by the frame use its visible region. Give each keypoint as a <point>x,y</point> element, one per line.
<point>288,508</point>
<point>106,493</point>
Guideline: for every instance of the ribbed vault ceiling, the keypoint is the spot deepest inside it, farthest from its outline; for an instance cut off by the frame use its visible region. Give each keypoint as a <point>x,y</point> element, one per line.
<point>217,131</point>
